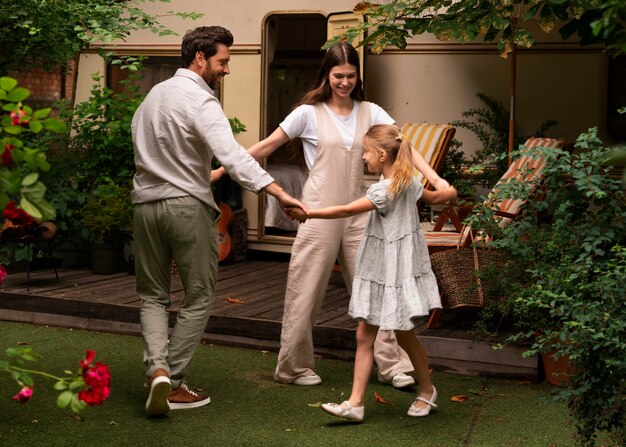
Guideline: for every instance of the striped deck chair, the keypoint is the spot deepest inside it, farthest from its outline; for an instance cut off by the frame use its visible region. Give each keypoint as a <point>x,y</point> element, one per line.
<point>525,168</point>
<point>432,141</point>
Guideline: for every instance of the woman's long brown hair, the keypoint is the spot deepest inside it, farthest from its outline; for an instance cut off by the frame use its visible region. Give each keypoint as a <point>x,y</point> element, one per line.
<point>339,54</point>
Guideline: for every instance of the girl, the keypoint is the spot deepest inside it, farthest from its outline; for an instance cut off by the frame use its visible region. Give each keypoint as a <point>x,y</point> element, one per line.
<point>393,281</point>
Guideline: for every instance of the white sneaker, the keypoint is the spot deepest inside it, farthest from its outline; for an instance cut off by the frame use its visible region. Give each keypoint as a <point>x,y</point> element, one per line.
<point>311,380</point>
<point>400,380</point>
<point>344,410</point>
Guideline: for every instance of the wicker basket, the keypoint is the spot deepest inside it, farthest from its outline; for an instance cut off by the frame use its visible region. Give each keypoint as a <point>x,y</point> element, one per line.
<point>458,274</point>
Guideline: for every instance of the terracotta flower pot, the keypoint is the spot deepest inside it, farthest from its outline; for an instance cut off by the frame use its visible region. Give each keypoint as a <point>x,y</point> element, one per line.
<point>558,371</point>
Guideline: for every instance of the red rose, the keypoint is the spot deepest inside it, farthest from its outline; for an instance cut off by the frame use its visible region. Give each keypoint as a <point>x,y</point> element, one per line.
<point>7,158</point>
<point>97,379</point>
<point>89,356</point>
<point>3,273</point>
<point>17,216</point>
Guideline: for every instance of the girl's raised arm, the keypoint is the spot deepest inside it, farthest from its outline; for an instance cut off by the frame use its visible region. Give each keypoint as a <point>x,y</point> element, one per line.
<point>442,196</point>
<point>420,164</point>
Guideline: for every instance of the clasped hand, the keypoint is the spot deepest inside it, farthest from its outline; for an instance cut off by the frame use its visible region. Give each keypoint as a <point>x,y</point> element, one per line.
<point>296,213</point>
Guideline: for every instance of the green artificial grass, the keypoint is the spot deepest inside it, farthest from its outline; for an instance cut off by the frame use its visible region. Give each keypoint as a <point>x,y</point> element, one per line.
<point>249,408</point>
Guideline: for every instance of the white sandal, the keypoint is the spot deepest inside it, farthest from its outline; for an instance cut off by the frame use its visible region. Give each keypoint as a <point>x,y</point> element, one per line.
<point>344,410</point>
<point>421,412</point>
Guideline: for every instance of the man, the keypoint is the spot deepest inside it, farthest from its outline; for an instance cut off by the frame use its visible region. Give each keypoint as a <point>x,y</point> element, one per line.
<point>177,130</point>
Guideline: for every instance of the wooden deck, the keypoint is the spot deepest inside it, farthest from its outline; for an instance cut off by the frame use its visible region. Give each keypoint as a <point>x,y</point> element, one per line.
<point>108,303</point>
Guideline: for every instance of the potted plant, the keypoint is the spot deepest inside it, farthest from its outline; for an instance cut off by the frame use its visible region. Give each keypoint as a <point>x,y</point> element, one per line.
<point>565,281</point>
<point>106,218</point>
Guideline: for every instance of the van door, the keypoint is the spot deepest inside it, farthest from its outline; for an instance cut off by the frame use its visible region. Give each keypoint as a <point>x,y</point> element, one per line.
<point>339,22</point>
<point>291,58</point>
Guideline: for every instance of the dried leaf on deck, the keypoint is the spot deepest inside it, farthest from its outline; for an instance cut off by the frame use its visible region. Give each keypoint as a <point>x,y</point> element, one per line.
<point>459,398</point>
<point>235,300</point>
<point>379,398</point>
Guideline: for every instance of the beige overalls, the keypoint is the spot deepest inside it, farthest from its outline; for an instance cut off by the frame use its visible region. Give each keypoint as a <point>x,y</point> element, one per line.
<point>335,179</point>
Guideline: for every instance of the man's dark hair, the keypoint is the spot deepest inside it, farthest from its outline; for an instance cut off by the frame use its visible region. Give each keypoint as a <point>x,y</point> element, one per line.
<point>205,39</point>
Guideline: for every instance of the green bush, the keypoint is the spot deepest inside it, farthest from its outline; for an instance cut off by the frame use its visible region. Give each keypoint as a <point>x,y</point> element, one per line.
<point>102,136</point>
<point>107,214</point>
<point>564,282</point>
<point>96,153</point>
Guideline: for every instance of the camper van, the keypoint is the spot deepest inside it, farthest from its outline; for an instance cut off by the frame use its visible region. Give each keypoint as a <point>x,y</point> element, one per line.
<point>277,53</point>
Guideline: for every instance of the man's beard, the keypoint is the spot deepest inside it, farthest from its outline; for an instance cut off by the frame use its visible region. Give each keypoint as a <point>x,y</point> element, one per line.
<point>215,82</point>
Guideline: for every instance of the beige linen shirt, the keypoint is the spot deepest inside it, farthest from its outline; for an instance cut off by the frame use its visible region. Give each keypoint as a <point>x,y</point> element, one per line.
<point>177,130</point>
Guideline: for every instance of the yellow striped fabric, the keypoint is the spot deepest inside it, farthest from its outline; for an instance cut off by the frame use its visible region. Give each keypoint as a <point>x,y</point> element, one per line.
<point>427,139</point>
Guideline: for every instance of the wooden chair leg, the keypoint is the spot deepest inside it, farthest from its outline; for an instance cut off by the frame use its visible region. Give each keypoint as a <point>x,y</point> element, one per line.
<point>433,321</point>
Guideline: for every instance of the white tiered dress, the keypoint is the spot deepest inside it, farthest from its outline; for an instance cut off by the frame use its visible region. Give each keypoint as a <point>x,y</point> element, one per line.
<point>393,282</point>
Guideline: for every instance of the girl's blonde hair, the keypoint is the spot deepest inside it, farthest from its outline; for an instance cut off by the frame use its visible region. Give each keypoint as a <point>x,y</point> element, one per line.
<point>388,138</point>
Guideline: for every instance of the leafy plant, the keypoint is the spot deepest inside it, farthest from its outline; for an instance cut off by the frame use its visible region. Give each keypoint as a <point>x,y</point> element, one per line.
<point>67,194</point>
<point>22,161</point>
<point>108,213</point>
<point>236,126</point>
<point>98,153</point>
<point>102,133</point>
<point>490,124</point>
<point>506,22</point>
<point>565,279</point>
<point>21,164</point>
<point>28,40</point>
<point>89,386</point>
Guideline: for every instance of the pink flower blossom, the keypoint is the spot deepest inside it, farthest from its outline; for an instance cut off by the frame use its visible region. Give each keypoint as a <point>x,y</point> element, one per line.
<point>18,118</point>
<point>24,395</point>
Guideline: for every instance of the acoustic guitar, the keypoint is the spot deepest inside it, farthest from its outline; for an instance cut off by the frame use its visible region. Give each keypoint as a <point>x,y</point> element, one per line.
<point>223,237</point>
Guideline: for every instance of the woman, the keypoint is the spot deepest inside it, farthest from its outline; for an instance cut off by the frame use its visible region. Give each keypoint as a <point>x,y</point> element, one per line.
<point>331,120</point>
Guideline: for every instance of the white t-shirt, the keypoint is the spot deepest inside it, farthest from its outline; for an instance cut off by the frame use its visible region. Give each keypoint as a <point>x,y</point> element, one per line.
<point>302,123</point>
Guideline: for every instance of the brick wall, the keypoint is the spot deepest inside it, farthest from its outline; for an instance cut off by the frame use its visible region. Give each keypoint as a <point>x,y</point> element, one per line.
<point>47,86</point>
